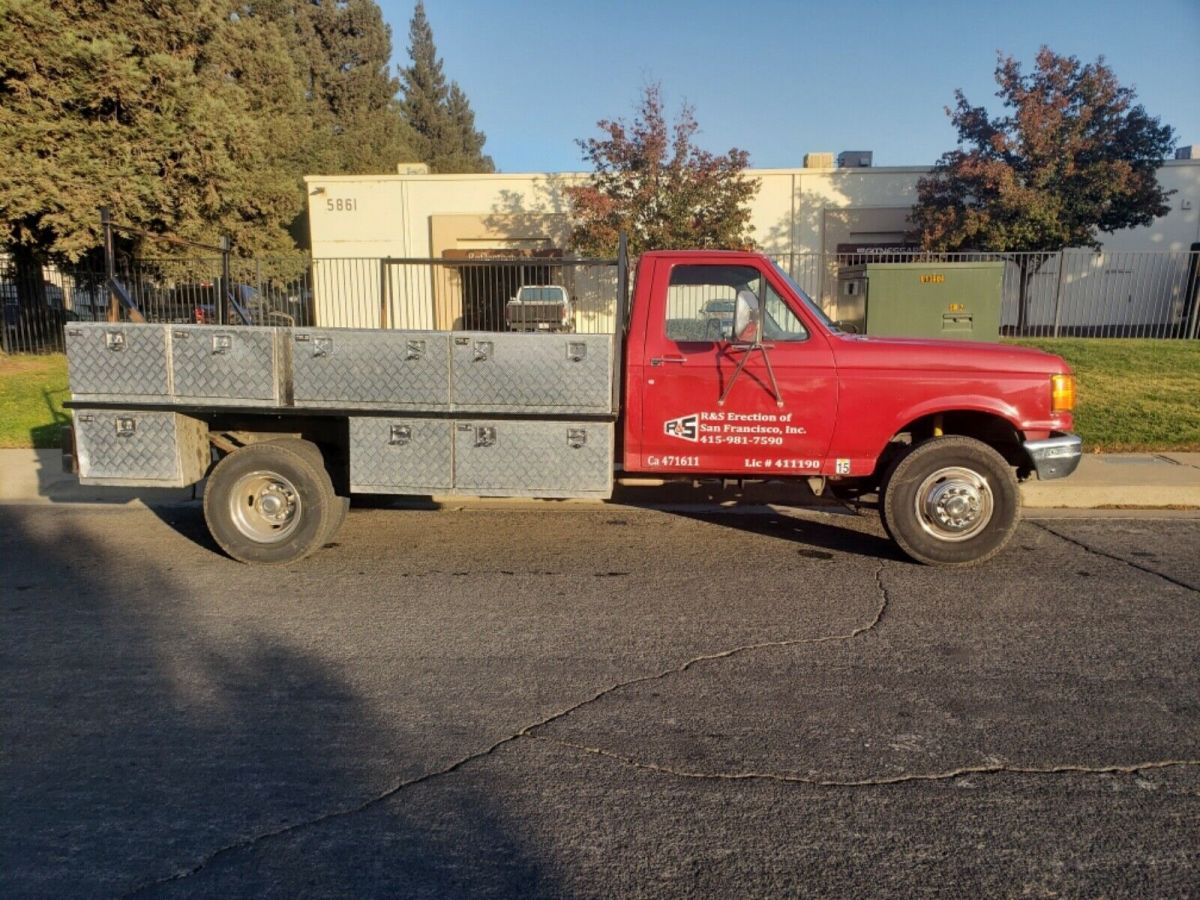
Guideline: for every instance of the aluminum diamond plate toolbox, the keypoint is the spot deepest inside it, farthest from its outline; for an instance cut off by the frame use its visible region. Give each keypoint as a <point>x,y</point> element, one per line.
<point>401,455</point>
<point>550,373</point>
<point>140,449</point>
<point>117,361</point>
<point>351,368</point>
<point>236,366</point>
<point>505,458</point>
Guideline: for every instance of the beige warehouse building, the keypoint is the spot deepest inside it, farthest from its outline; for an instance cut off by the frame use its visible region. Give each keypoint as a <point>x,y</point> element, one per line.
<point>797,213</point>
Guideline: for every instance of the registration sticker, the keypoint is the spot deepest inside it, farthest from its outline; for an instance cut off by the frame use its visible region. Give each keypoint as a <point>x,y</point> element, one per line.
<point>843,467</point>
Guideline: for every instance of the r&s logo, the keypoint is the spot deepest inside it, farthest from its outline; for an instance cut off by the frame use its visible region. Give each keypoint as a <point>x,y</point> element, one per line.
<point>686,428</point>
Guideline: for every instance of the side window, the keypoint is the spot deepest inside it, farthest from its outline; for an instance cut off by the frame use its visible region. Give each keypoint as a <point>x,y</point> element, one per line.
<point>701,302</point>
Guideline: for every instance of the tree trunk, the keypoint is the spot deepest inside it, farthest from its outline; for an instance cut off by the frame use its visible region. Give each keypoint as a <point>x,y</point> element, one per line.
<point>31,288</point>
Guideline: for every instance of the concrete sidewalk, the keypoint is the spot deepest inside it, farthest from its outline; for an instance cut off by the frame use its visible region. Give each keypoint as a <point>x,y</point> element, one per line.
<point>1163,480</point>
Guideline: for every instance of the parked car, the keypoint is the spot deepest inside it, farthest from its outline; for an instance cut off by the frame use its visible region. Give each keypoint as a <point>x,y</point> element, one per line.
<point>30,325</point>
<point>538,307</point>
<point>718,318</point>
<point>248,307</point>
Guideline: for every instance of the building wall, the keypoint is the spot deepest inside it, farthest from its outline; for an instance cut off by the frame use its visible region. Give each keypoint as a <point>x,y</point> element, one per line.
<point>796,213</point>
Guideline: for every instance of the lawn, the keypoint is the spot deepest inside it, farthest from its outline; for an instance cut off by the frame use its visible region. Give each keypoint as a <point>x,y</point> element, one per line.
<point>32,389</point>
<point>1133,394</point>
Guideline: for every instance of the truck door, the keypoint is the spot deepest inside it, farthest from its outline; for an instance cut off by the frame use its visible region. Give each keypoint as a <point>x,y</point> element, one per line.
<point>689,361</point>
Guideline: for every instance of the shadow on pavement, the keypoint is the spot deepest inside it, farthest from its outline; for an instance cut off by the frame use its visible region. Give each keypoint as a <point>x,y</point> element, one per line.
<point>808,533</point>
<point>141,735</point>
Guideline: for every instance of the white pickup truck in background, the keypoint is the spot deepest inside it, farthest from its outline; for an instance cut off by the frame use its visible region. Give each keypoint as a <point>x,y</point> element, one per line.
<point>540,307</point>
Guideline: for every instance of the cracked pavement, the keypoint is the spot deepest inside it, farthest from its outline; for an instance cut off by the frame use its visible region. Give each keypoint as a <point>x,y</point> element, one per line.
<point>596,701</point>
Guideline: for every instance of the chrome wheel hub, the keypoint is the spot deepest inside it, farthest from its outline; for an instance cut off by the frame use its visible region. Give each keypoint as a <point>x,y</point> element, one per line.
<point>954,503</point>
<point>264,506</point>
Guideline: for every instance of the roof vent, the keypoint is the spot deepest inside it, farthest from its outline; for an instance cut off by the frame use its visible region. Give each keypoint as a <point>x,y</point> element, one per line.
<point>855,159</point>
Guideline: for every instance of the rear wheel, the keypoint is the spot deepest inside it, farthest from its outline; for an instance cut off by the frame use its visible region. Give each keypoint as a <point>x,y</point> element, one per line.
<point>341,505</point>
<point>951,501</point>
<point>267,503</point>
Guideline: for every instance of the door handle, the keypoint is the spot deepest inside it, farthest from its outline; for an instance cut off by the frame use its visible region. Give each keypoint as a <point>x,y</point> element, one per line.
<point>660,360</point>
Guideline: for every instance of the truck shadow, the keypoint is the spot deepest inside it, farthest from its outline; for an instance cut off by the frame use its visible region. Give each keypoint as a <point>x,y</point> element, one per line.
<point>808,533</point>
<point>150,719</point>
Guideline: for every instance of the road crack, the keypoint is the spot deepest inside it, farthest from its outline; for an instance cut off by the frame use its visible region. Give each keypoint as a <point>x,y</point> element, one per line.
<point>1105,554</point>
<point>249,843</point>
<point>947,775</point>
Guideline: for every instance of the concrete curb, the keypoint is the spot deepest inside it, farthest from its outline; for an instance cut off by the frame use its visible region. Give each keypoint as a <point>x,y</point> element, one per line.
<point>1153,480</point>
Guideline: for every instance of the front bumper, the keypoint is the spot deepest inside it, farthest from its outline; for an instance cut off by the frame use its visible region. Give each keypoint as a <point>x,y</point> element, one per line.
<point>1055,457</point>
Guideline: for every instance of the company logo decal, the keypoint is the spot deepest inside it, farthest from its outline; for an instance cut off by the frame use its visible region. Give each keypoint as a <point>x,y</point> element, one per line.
<point>686,428</point>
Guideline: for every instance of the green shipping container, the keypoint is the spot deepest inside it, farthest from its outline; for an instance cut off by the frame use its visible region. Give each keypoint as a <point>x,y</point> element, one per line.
<point>958,300</point>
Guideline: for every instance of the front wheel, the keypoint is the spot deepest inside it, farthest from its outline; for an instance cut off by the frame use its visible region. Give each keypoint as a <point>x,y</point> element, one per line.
<point>951,501</point>
<point>267,503</point>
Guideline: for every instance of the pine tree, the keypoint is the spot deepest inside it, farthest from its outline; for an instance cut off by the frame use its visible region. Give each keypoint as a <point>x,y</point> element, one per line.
<point>179,117</point>
<point>439,115</point>
<point>469,149</point>
<point>343,48</point>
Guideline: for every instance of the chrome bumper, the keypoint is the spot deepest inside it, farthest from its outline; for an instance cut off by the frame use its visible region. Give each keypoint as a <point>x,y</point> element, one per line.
<point>1055,457</point>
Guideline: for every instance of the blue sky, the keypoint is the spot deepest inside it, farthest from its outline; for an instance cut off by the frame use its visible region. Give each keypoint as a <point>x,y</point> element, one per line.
<point>780,79</point>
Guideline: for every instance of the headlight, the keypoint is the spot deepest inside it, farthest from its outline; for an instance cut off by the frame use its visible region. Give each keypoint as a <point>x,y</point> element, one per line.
<point>1062,393</point>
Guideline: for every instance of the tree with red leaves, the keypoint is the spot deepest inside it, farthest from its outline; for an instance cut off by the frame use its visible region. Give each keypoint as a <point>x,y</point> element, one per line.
<point>1074,156</point>
<point>651,181</point>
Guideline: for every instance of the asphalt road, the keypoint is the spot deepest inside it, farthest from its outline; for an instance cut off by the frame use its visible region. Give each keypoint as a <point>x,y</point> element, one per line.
<point>596,702</point>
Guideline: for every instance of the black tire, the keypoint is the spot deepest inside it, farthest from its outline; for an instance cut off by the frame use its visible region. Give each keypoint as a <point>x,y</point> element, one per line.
<point>268,503</point>
<point>341,505</point>
<point>883,492</point>
<point>951,501</point>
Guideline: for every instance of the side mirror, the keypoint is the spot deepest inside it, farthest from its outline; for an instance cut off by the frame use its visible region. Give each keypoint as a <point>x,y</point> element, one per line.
<point>745,318</point>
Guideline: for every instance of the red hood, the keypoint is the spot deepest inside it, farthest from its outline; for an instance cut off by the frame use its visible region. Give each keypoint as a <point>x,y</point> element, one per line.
<point>854,350</point>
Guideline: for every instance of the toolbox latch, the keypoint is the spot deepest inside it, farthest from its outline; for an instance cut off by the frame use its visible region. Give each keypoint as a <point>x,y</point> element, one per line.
<point>576,438</point>
<point>126,426</point>
<point>576,351</point>
<point>400,435</point>
<point>114,341</point>
<point>484,350</point>
<point>485,435</point>
<point>414,350</point>
<point>221,343</point>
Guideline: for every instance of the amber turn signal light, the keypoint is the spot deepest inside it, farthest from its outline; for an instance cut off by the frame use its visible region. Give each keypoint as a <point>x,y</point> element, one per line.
<point>1062,393</point>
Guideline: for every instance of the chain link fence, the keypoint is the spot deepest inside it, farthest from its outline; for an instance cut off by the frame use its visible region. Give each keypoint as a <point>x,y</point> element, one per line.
<point>1067,294</point>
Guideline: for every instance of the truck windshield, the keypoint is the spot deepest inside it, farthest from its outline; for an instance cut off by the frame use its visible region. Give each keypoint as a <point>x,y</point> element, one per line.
<point>805,299</point>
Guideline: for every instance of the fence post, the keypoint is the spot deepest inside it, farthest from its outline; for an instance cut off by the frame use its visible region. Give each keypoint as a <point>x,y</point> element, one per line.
<point>383,291</point>
<point>224,296</point>
<point>622,282</point>
<point>110,264</point>
<point>1062,269</point>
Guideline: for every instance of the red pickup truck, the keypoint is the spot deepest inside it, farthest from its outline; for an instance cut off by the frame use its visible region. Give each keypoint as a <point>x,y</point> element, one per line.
<point>941,429</point>
<point>286,423</point>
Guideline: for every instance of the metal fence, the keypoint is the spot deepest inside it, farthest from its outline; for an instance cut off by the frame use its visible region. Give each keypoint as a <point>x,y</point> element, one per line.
<point>1073,293</point>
